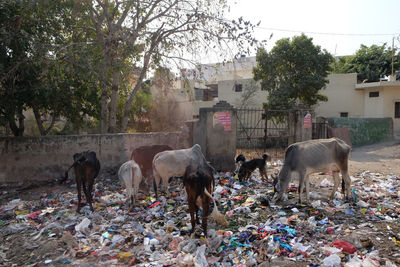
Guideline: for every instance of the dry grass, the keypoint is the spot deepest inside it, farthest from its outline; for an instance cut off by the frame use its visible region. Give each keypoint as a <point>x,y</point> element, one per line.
<point>275,153</point>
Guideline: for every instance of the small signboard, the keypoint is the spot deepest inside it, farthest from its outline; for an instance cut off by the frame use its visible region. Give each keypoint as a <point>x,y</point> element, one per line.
<point>224,118</point>
<point>307,121</point>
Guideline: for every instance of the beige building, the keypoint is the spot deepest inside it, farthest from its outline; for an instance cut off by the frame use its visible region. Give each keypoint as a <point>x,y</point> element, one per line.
<point>346,98</point>
<point>206,85</point>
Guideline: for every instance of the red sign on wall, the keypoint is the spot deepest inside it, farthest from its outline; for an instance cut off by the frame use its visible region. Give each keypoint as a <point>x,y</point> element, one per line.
<point>307,121</point>
<point>224,118</point>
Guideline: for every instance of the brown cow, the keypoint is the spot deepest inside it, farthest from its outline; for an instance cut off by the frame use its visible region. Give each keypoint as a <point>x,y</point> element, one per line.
<point>199,184</point>
<point>144,156</point>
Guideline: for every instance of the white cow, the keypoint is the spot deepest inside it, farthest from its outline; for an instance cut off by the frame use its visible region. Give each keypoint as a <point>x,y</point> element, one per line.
<point>130,176</point>
<point>173,163</point>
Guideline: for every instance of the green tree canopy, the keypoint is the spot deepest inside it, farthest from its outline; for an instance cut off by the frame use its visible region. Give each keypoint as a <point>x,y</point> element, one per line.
<point>39,70</point>
<point>293,72</point>
<point>370,63</point>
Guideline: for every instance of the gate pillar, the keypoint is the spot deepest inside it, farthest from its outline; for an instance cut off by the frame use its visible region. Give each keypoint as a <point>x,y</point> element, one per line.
<point>300,125</point>
<point>216,134</point>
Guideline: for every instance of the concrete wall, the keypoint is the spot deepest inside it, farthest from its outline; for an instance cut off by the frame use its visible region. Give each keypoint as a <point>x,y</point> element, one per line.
<point>365,131</point>
<point>47,158</point>
<point>373,106</point>
<point>217,143</point>
<point>391,96</point>
<point>342,97</point>
<point>226,92</point>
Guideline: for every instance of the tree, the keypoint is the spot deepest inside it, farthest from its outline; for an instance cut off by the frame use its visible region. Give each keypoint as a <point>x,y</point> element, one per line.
<point>370,63</point>
<point>293,72</point>
<point>149,33</point>
<point>36,71</point>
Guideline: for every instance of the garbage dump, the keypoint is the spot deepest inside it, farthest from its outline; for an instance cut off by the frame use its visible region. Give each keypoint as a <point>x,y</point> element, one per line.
<point>43,228</point>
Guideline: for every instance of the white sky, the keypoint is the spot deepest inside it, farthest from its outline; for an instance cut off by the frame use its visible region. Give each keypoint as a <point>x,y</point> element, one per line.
<point>348,23</point>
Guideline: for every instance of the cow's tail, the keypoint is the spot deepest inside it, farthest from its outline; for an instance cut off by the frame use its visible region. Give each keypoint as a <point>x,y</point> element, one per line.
<point>63,179</point>
<point>216,215</point>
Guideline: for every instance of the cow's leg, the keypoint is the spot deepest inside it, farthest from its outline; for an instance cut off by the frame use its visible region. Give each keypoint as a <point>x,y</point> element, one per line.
<point>336,182</point>
<point>302,175</point>
<point>192,208</point>
<point>79,188</point>
<point>307,185</point>
<point>156,181</point>
<point>206,210</point>
<point>347,183</point>
<point>89,192</point>
<point>197,214</point>
<point>155,188</point>
<point>85,189</point>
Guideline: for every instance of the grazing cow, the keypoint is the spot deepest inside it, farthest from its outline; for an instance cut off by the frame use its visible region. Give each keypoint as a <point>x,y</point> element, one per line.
<point>144,156</point>
<point>199,184</point>
<point>130,176</point>
<point>249,166</point>
<point>173,163</point>
<point>86,167</point>
<point>321,155</point>
<point>240,159</point>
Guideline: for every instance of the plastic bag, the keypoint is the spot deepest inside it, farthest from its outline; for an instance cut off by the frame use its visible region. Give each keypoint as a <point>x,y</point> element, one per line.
<point>83,227</point>
<point>200,258</point>
<point>345,246</point>
<point>332,261</point>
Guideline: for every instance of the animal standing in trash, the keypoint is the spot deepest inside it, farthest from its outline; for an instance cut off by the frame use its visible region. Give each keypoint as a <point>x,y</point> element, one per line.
<point>248,167</point>
<point>305,158</point>
<point>86,167</point>
<point>144,156</point>
<point>173,163</point>
<point>130,176</point>
<point>240,159</point>
<point>199,184</point>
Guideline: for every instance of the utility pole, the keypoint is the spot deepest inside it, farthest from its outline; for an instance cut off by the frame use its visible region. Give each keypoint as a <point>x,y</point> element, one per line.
<point>393,56</point>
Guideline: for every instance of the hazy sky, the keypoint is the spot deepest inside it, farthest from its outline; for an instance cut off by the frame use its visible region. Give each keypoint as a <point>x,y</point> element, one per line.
<point>339,26</point>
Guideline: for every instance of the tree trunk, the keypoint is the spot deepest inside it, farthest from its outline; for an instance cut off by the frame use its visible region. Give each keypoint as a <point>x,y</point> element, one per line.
<point>18,130</point>
<point>128,104</point>
<point>39,122</point>
<point>113,103</point>
<point>104,96</point>
<point>104,111</point>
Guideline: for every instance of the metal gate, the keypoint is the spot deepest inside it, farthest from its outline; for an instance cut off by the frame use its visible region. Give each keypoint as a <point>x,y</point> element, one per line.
<point>250,131</point>
<point>277,132</point>
<point>260,128</point>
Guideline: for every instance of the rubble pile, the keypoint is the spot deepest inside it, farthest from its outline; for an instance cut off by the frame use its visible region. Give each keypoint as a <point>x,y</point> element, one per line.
<point>46,230</point>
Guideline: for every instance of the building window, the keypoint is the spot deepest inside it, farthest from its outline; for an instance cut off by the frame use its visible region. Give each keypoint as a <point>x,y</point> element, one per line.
<point>344,114</point>
<point>374,94</point>
<point>238,87</point>
<point>397,110</point>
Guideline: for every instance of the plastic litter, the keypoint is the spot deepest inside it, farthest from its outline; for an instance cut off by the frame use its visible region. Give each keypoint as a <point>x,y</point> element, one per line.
<point>345,246</point>
<point>158,231</point>
<point>332,261</point>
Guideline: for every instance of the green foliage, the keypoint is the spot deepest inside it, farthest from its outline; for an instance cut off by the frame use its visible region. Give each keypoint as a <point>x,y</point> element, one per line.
<point>140,106</point>
<point>293,72</point>
<point>39,69</point>
<point>370,63</point>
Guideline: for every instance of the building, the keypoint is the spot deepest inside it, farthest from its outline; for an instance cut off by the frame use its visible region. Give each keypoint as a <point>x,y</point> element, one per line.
<point>346,98</point>
<point>209,83</point>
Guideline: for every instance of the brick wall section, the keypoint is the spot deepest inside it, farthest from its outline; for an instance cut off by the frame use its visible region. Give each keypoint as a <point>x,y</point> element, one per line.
<point>46,158</point>
<point>365,131</point>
